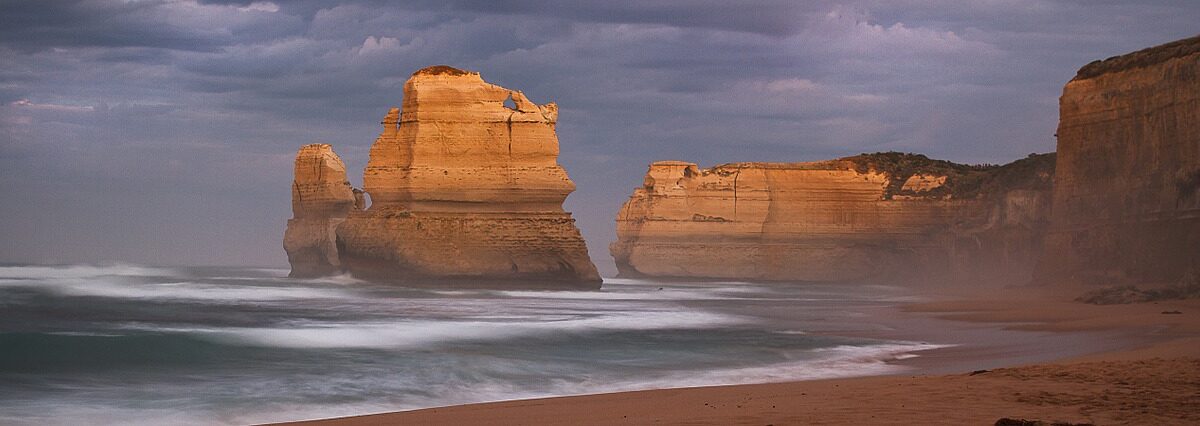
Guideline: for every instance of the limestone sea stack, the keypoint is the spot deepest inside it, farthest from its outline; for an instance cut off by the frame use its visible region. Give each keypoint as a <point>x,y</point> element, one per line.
<point>884,218</point>
<point>321,199</point>
<point>465,188</point>
<point>1127,192</point>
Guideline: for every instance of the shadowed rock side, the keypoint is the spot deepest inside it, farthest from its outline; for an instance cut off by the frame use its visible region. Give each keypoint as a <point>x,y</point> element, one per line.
<point>1127,192</point>
<point>886,217</point>
<point>465,188</point>
<point>321,199</point>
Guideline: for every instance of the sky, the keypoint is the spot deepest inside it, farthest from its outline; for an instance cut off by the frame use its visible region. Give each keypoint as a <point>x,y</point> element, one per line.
<point>163,131</point>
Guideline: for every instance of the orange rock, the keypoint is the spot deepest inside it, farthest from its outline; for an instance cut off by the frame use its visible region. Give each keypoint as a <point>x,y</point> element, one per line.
<point>922,183</point>
<point>858,218</point>
<point>1127,193</point>
<point>463,187</point>
<point>321,199</point>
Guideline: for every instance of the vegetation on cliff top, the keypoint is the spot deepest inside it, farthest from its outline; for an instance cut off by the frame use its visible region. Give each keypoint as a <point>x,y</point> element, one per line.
<point>1034,172</point>
<point>440,69</point>
<point>1141,59</point>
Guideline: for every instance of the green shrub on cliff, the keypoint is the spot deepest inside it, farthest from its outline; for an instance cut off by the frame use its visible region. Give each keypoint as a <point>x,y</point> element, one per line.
<point>1034,172</point>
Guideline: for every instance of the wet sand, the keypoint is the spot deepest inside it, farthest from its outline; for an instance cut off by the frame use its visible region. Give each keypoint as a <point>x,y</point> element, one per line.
<point>1147,372</point>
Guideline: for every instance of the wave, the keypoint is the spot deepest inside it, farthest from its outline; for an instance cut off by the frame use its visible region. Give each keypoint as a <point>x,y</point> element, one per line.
<point>276,272</point>
<point>661,293</point>
<point>214,359</point>
<point>424,334</point>
<point>645,290</point>
<point>829,363</point>
<point>489,382</point>
<point>652,281</point>
<point>185,290</point>
<point>82,271</point>
<point>642,289</point>
<point>129,281</point>
<point>75,412</point>
<point>342,279</point>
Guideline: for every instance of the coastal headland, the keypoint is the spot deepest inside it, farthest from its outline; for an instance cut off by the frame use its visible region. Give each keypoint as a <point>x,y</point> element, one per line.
<point>1118,207</point>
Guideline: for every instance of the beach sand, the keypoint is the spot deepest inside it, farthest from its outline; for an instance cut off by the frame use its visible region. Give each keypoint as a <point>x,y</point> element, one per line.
<point>1149,375</point>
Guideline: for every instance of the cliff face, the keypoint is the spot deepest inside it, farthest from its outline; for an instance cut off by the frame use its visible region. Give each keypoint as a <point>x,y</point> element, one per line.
<point>321,199</point>
<point>464,187</point>
<point>890,217</point>
<point>1127,192</point>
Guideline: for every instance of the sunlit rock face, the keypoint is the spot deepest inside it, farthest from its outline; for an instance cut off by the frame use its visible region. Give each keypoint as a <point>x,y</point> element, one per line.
<point>321,199</point>
<point>885,218</point>
<point>1127,193</point>
<point>464,187</point>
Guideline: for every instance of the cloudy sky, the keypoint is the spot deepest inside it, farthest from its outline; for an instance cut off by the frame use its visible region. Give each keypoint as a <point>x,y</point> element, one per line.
<point>163,132</point>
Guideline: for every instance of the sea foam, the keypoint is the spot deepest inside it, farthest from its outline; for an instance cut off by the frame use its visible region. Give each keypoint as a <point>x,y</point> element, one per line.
<point>426,334</point>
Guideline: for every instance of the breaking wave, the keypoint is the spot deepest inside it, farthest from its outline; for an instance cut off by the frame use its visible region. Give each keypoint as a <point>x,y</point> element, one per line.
<point>126,343</point>
<point>425,334</point>
<point>139,282</point>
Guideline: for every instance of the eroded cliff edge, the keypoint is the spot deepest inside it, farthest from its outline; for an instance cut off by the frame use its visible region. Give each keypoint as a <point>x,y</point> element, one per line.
<point>1127,193</point>
<point>321,199</point>
<point>886,217</point>
<point>465,188</point>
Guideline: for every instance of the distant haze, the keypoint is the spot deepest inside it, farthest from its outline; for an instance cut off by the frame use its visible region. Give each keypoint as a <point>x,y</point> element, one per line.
<point>163,132</point>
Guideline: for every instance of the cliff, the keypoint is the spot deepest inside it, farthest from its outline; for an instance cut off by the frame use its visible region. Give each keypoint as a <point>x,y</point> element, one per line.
<point>886,217</point>
<point>1127,192</point>
<point>466,188</point>
<point>321,199</point>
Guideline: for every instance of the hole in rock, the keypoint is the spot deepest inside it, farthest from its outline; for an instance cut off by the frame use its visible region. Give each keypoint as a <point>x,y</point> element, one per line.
<point>508,102</point>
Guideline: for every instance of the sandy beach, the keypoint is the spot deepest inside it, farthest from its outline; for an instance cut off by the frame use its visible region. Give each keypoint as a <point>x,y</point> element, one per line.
<point>1149,374</point>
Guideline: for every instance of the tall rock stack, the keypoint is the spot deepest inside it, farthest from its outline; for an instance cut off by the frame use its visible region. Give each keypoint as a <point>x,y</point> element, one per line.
<point>881,218</point>
<point>321,199</point>
<point>1127,193</point>
<point>464,187</point>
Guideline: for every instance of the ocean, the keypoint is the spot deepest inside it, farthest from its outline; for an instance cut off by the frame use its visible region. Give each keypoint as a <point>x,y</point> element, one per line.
<point>131,344</point>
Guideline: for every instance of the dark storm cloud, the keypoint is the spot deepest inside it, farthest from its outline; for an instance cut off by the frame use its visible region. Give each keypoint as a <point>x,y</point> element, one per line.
<point>771,17</point>
<point>32,25</point>
<point>163,131</point>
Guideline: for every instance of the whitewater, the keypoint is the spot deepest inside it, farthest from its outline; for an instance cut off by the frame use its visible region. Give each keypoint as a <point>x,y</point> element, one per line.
<point>134,344</point>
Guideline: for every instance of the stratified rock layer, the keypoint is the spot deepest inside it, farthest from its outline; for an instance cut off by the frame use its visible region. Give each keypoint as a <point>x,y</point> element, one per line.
<point>881,217</point>
<point>321,199</point>
<point>463,187</point>
<point>1127,192</point>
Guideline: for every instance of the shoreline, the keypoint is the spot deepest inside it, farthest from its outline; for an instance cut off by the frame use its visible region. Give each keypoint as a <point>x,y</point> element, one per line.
<point>1062,383</point>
